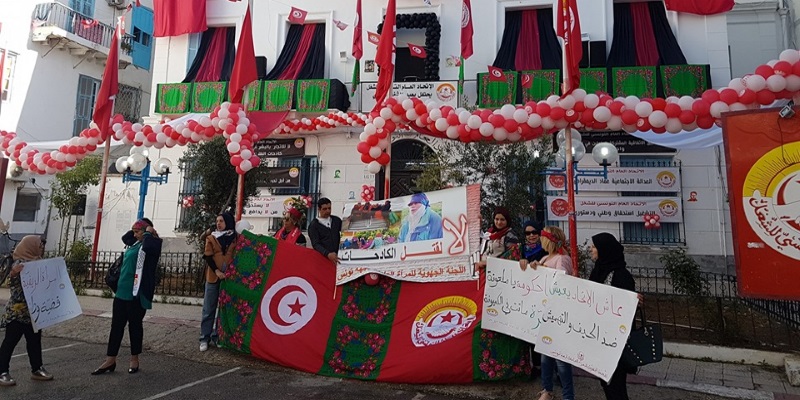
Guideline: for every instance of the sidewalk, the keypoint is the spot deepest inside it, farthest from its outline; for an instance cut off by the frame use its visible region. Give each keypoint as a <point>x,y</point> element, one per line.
<point>730,380</point>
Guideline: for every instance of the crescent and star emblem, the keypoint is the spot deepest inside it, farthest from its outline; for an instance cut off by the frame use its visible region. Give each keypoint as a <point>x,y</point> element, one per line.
<point>288,305</point>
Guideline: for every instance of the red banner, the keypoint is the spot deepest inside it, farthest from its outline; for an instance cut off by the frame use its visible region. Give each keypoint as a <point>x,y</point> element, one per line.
<point>705,7</point>
<point>763,159</point>
<point>175,18</point>
<point>466,29</point>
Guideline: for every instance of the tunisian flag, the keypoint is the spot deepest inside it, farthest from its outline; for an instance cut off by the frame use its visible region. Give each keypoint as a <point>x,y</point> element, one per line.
<point>244,66</point>
<point>109,87</point>
<point>466,30</point>
<point>705,7</point>
<point>569,29</point>
<point>386,54</point>
<point>177,17</point>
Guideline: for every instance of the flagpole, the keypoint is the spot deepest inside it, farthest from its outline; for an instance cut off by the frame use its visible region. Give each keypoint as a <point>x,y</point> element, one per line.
<point>246,98</point>
<point>573,228</point>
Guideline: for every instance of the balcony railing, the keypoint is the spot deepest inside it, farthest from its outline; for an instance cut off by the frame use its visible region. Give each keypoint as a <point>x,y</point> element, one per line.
<point>59,16</point>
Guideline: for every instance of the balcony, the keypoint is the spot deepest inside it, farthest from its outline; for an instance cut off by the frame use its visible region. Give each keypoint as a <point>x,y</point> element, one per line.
<point>59,27</point>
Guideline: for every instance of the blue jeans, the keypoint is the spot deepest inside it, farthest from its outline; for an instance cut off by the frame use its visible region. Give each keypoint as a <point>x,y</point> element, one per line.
<point>564,374</point>
<point>208,331</point>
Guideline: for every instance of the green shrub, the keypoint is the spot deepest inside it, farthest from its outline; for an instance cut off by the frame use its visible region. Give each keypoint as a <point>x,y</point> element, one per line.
<point>685,273</point>
<point>78,256</point>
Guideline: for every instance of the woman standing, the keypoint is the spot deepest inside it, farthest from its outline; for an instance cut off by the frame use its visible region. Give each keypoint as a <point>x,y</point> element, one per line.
<point>134,296</point>
<point>554,241</point>
<point>218,254</point>
<point>610,268</point>
<point>502,241</point>
<point>532,249</point>
<point>290,232</point>
<point>17,319</point>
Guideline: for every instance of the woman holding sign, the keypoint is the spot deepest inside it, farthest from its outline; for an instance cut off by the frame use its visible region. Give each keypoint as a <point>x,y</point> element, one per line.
<point>17,319</point>
<point>501,241</point>
<point>554,241</point>
<point>610,268</point>
<point>135,289</point>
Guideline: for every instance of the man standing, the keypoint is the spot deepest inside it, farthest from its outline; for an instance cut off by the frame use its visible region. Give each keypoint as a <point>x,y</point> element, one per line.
<point>325,231</point>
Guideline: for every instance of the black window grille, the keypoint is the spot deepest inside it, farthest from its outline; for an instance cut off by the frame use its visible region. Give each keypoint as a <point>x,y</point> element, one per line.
<point>190,188</point>
<point>670,233</point>
<point>309,184</point>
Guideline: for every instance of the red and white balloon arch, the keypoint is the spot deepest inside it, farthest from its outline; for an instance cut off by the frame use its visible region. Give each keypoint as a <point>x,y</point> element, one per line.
<point>778,79</point>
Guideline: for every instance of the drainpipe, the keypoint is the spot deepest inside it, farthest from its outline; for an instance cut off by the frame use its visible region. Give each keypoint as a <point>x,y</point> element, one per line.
<point>786,25</point>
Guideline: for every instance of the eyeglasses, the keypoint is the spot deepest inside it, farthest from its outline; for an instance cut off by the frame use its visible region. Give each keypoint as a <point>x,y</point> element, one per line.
<point>531,233</point>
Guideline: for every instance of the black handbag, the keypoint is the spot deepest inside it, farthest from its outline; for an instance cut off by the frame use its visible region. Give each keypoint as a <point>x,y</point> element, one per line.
<point>645,344</point>
<point>112,274</point>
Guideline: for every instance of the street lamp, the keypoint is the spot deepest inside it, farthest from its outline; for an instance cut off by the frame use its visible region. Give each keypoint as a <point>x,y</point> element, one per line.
<point>136,168</point>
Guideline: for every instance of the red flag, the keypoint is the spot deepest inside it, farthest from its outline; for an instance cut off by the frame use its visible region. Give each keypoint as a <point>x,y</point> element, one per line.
<point>88,23</point>
<point>569,29</point>
<point>358,41</point>
<point>297,16</point>
<point>129,7</point>
<point>496,74</point>
<point>526,80</point>
<point>296,311</point>
<point>373,38</point>
<point>705,7</point>
<point>244,67</point>
<point>175,18</point>
<point>340,25</point>
<point>109,87</point>
<point>466,29</point>
<point>417,51</point>
<point>386,54</point>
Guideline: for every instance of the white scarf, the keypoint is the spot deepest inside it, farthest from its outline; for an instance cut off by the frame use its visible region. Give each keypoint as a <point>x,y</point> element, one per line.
<point>325,221</point>
<point>413,221</point>
<point>217,234</point>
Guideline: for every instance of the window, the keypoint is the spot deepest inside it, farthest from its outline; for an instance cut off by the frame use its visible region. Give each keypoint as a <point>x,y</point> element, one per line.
<point>129,103</point>
<point>189,190</point>
<point>8,63</point>
<point>635,232</point>
<point>85,7</point>
<point>142,37</point>
<point>194,45</point>
<point>84,106</point>
<point>27,206</point>
<point>309,184</point>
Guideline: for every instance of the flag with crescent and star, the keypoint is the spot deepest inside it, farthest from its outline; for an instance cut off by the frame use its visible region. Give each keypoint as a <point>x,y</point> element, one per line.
<point>279,302</point>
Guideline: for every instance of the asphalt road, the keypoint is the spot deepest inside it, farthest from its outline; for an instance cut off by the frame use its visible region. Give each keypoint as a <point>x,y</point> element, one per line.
<point>226,375</point>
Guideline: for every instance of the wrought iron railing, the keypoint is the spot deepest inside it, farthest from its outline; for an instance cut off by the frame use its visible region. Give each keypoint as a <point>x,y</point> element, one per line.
<point>61,16</point>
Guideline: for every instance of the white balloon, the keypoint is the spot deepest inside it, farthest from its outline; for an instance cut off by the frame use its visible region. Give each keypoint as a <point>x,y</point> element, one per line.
<point>520,116</point>
<point>386,113</point>
<point>435,113</point>
<point>514,136</point>
<point>233,147</point>
<point>548,123</point>
<point>236,137</point>
<point>379,122</point>
<point>552,100</point>
<point>507,111</point>
<point>452,132</point>
<point>738,106</point>
<point>631,102</point>
<point>374,167</point>
<point>474,122</point>
<point>407,104</point>
<point>246,165</point>
<point>67,157</point>
<point>241,129</point>
<point>246,154</point>
<point>136,127</point>
<point>790,55</point>
<point>686,102</point>
<point>375,151</point>
<point>579,94</point>
<point>615,123</point>
<point>643,109</point>
<point>224,113</point>
<point>223,123</point>
<point>793,83</point>
<point>658,119</point>
<point>486,129</point>
<point>567,102</point>
<point>776,83</point>
<point>463,116</point>
<point>602,114</point>
<point>755,83</point>
<point>441,124</point>
<point>717,108</point>
<point>411,114</point>
<point>370,129</point>
<point>736,84</point>
<point>245,121</point>
<point>500,134</point>
<point>534,120</point>
<point>674,125</point>
<point>204,121</point>
<point>161,137</point>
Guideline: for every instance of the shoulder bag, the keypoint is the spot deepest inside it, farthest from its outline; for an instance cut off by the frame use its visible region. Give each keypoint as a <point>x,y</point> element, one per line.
<point>112,274</point>
<point>645,344</point>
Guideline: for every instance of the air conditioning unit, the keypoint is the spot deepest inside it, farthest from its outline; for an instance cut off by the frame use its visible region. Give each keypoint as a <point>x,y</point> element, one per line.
<point>119,4</point>
<point>16,173</point>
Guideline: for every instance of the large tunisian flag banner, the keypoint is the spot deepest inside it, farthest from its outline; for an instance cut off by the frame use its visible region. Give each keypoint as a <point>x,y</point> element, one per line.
<point>763,159</point>
<point>277,303</point>
<point>178,17</point>
<point>705,7</point>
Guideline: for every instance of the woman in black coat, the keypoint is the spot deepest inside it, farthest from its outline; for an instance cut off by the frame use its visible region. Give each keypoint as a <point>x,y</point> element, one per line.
<point>610,269</point>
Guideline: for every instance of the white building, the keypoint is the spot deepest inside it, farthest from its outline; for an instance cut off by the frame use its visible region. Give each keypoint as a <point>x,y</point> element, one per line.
<point>54,56</point>
<point>723,42</point>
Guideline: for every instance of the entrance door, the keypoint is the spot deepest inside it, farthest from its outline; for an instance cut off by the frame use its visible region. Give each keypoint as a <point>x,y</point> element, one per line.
<point>408,161</point>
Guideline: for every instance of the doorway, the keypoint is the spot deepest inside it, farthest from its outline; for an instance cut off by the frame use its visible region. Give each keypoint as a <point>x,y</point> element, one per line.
<point>408,162</point>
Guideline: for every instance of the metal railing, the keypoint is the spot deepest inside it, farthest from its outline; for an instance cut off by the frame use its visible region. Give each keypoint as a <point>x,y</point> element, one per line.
<point>61,16</point>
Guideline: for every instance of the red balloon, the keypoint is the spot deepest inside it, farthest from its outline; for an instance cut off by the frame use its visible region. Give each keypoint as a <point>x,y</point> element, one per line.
<point>686,117</point>
<point>579,106</point>
<point>372,140</point>
<point>475,136</point>
<point>782,68</point>
<point>240,171</point>
<point>765,70</point>
<point>557,113</point>
<point>462,130</point>
<point>452,119</point>
<point>383,159</point>
<point>629,117</point>
<point>672,110</point>
<point>705,121</point>
<point>701,107</point>
<point>485,115</point>
<point>420,109</point>
<point>729,96</point>
<point>660,130</point>
<point>616,107</point>
<point>796,68</point>
<point>571,116</point>
<point>398,109</point>
<point>543,109</point>
<point>587,117</point>
<point>362,147</point>
<point>371,279</point>
<point>497,120</point>
<point>510,125</point>
<point>643,125</point>
<point>747,96</point>
<point>389,126</point>
<point>658,104</point>
<point>710,96</point>
<point>765,97</point>
<point>366,158</point>
<point>236,160</point>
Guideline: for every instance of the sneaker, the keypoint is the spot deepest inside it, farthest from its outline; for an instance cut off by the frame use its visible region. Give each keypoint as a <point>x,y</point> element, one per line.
<point>7,380</point>
<point>41,374</point>
<point>545,395</point>
<point>203,346</point>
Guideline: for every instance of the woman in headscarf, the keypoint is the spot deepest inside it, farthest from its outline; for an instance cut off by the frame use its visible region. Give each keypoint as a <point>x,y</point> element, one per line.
<point>502,242</point>
<point>290,232</point>
<point>554,243</point>
<point>17,318</point>
<point>134,295</point>
<point>532,249</point>
<point>610,268</point>
<point>218,254</point>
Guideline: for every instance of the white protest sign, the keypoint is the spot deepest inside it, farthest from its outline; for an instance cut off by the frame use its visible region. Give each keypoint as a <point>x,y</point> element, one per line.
<point>49,293</point>
<point>514,301</point>
<point>587,324</point>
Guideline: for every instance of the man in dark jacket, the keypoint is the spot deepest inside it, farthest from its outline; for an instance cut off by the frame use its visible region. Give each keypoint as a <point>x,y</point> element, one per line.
<point>325,231</point>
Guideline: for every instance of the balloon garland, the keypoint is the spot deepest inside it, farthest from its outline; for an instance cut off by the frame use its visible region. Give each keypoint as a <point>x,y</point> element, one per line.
<point>778,79</point>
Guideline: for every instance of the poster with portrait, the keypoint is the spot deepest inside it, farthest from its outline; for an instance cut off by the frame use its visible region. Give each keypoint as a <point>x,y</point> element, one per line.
<point>762,152</point>
<point>424,237</point>
<point>49,293</point>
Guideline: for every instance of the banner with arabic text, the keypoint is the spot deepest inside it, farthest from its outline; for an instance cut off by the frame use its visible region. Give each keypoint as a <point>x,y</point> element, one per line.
<point>443,93</point>
<point>625,179</point>
<point>267,206</point>
<point>616,209</point>
<point>424,237</point>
